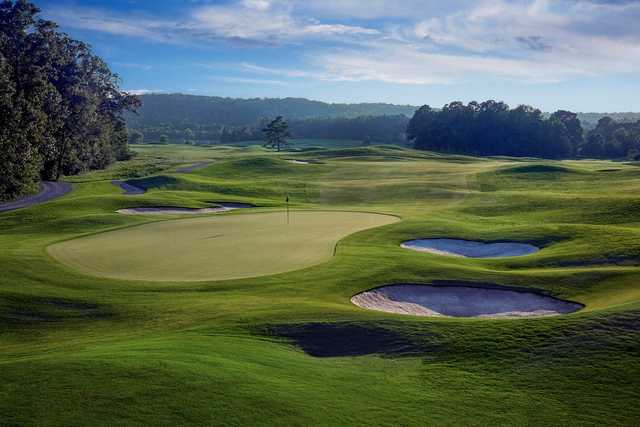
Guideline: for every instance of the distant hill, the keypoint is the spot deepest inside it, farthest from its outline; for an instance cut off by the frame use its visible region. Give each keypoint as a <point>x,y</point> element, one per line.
<point>180,118</point>
<point>181,111</point>
<point>590,120</point>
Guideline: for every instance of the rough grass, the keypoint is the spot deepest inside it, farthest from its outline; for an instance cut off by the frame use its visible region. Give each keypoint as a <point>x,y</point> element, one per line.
<point>83,350</point>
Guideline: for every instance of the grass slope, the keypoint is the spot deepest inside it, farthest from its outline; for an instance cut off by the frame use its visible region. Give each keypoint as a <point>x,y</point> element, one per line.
<point>290,349</point>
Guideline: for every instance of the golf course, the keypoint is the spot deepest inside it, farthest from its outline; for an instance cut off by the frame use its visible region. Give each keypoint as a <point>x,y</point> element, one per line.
<point>275,301</point>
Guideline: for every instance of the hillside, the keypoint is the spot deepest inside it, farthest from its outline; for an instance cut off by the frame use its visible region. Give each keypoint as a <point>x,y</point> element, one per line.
<point>590,120</point>
<point>178,110</point>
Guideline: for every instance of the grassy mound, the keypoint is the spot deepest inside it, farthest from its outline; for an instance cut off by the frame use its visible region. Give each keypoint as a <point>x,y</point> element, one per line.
<point>537,169</point>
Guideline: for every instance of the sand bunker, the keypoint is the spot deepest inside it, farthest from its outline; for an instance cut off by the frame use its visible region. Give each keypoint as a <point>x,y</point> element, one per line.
<point>461,301</point>
<point>469,248</point>
<point>298,162</point>
<point>129,189</point>
<point>169,210</point>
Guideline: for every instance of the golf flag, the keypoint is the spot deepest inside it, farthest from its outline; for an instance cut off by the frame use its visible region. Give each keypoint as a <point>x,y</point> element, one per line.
<point>287,208</point>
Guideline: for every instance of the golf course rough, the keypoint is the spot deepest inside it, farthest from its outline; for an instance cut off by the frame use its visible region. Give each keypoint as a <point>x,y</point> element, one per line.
<point>461,301</point>
<point>79,350</point>
<point>215,247</point>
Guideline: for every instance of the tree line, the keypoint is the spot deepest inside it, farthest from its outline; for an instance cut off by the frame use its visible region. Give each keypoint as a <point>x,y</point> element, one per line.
<point>612,139</point>
<point>492,128</point>
<point>179,111</point>
<point>61,110</point>
<point>377,129</point>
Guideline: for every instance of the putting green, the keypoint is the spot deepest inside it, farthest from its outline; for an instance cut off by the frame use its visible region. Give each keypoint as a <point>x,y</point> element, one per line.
<point>215,247</point>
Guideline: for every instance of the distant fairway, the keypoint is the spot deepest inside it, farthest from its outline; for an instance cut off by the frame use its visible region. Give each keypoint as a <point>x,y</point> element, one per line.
<point>215,248</point>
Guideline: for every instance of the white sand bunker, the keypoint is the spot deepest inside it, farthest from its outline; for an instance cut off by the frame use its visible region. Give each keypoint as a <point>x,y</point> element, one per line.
<point>469,248</point>
<point>222,207</point>
<point>298,162</point>
<point>461,301</point>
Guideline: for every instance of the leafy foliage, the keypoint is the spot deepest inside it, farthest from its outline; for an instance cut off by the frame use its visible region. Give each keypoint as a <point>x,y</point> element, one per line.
<point>612,139</point>
<point>276,133</point>
<point>60,106</point>
<point>492,128</point>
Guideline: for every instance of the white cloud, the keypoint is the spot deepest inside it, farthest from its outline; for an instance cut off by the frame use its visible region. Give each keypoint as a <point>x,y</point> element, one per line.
<point>372,9</point>
<point>257,4</point>
<point>254,21</point>
<point>261,20</point>
<point>144,91</point>
<point>529,41</point>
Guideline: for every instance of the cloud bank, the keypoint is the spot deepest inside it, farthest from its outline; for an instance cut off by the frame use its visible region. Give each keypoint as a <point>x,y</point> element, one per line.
<point>404,42</point>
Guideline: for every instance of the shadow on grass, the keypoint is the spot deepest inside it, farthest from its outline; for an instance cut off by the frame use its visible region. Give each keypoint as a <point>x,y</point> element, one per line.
<point>344,339</point>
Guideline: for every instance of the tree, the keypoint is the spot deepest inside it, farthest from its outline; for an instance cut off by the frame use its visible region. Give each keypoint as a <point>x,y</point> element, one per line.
<point>492,128</point>
<point>136,137</point>
<point>575,132</point>
<point>189,137</point>
<point>594,147</point>
<point>613,139</point>
<point>61,108</point>
<point>276,133</point>
<point>164,139</point>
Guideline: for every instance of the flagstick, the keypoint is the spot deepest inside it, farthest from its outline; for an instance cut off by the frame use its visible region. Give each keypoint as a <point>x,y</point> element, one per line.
<point>287,208</point>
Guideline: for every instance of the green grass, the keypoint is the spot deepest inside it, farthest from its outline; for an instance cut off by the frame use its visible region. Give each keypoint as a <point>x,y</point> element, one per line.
<point>305,143</point>
<point>215,247</point>
<point>79,349</point>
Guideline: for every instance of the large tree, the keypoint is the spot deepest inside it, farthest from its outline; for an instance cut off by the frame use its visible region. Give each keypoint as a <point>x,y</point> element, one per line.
<point>60,105</point>
<point>275,134</point>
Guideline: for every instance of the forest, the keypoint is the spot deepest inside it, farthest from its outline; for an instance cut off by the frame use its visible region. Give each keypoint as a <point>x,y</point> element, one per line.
<point>488,128</point>
<point>375,129</point>
<point>492,128</point>
<point>61,110</point>
<point>180,111</point>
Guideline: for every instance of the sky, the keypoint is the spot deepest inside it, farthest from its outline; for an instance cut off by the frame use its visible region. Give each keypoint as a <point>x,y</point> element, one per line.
<point>581,55</point>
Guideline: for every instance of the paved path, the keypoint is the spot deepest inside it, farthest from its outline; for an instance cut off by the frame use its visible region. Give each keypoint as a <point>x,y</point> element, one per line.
<point>49,190</point>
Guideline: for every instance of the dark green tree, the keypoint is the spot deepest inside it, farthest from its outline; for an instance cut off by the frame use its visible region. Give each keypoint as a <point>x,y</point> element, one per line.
<point>136,137</point>
<point>276,133</point>
<point>492,128</point>
<point>62,110</point>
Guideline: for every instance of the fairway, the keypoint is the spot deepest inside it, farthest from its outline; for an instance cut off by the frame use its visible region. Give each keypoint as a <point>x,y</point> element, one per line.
<point>215,248</point>
<point>135,319</point>
<point>198,259</point>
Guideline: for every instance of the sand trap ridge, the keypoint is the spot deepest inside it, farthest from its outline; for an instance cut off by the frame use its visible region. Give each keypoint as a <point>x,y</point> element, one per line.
<point>461,301</point>
<point>469,248</point>
<point>169,210</point>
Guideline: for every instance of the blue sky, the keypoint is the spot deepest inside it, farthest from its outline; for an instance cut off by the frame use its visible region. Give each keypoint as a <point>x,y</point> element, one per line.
<point>582,55</point>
